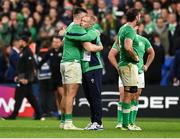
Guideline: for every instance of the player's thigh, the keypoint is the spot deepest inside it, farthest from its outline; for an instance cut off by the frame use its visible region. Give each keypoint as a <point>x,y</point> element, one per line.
<point>72,73</point>
<point>129,75</point>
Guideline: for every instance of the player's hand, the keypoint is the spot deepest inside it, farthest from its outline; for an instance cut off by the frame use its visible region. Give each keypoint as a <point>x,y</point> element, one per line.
<point>136,58</point>
<point>62,31</point>
<point>176,82</point>
<point>23,81</point>
<point>4,20</point>
<point>15,79</point>
<point>100,47</point>
<point>145,68</point>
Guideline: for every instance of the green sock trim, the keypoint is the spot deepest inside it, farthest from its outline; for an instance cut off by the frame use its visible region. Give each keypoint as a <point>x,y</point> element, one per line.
<point>119,113</point>
<point>131,117</point>
<point>125,119</point>
<point>126,107</point>
<point>68,116</point>
<point>134,112</point>
<point>134,116</point>
<point>62,117</point>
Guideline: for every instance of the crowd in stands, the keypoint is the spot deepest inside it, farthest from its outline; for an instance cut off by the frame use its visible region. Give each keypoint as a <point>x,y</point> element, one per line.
<point>43,18</point>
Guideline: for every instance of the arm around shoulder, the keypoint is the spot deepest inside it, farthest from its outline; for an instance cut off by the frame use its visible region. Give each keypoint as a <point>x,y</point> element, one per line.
<point>92,47</point>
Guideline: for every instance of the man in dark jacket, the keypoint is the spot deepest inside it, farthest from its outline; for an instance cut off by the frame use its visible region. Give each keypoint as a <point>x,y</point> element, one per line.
<point>13,60</point>
<point>153,75</point>
<point>25,73</point>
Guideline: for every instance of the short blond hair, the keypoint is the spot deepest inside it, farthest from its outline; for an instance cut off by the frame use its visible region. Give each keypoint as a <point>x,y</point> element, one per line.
<point>93,19</point>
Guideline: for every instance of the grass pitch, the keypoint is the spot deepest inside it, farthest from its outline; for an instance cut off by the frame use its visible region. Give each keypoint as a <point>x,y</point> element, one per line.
<point>26,128</point>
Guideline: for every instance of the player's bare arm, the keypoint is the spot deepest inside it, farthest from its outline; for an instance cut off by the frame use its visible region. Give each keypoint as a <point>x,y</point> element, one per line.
<point>150,58</point>
<point>112,58</point>
<point>128,47</point>
<point>92,47</point>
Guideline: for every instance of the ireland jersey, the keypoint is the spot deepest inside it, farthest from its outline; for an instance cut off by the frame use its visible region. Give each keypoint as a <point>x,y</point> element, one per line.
<point>74,36</point>
<point>91,60</point>
<point>116,46</point>
<point>143,46</point>
<point>78,33</point>
<point>126,31</point>
<point>71,51</point>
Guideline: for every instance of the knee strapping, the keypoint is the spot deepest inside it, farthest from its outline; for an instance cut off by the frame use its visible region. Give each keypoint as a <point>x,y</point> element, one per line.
<point>131,89</point>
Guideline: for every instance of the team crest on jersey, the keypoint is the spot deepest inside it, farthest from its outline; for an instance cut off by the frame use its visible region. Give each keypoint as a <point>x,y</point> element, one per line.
<point>140,43</point>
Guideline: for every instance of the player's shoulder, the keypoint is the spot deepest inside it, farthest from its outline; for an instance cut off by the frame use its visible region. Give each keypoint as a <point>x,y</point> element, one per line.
<point>75,28</point>
<point>70,25</point>
<point>142,37</point>
<point>127,27</point>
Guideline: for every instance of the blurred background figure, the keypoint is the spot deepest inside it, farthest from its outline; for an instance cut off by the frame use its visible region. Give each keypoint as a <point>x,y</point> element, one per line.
<point>174,33</point>
<point>25,75</point>
<point>153,75</point>
<point>13,61</point>
<point>53,56</point>
<point>162,30</point>
<point>176,69</point>
<point>47,100</point>
<point>4,62</point>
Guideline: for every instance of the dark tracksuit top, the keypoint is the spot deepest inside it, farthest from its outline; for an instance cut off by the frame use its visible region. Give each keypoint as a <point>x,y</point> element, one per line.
<point>54,58</point>
<point>26,65</point>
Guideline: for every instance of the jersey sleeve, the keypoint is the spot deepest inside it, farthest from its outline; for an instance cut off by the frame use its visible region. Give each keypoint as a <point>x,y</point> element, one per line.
<point>98,42</point>
<point>115,46</point>
<point>147,44</point>
<point>79,34</point>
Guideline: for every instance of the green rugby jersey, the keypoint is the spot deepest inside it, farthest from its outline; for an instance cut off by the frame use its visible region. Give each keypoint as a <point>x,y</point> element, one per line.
<point>149,28</point>
<point>144,45</point>
<point>72,42</point>
<point>126,31</point>
<point>78,33</point>
<point>91,60</point>
<point>71,52</point>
